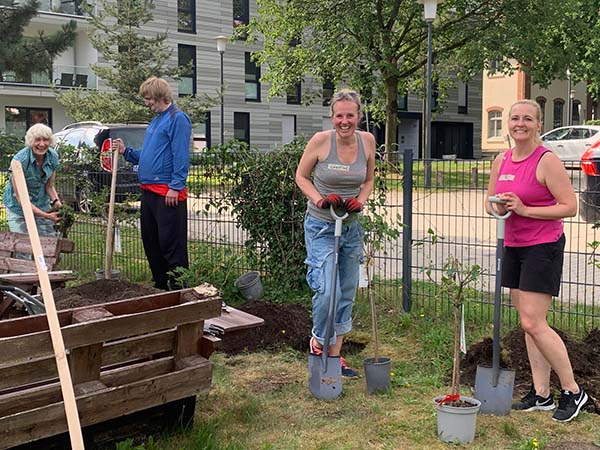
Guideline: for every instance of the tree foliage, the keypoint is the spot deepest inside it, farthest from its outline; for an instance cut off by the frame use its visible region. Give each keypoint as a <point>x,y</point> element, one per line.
<point>129,57</point>
<point>380,46</point>
<point>26,54</point>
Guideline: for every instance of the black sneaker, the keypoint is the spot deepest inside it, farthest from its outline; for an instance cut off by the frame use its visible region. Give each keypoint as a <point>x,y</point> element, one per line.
<point>347,372</point>
<point>569,405</point>
<point>534,402</point>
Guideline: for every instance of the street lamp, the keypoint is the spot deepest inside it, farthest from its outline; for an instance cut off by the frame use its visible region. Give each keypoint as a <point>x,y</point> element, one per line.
<point>221,45</point>
<point>429,13</point>
<point>570,95</point>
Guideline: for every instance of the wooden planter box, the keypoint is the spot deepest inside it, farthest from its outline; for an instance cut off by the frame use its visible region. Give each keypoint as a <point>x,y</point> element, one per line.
<point>125,356</point>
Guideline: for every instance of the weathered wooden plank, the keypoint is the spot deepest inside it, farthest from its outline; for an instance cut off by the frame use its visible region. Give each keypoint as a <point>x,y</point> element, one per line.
<point>18,349</point>
<point>103,405</point>
<point>39,396</point>
<point>113,353</point>
<point>232,319</point>
<point>85,363</point>
<point>187,340</point>
<point>138,347</point>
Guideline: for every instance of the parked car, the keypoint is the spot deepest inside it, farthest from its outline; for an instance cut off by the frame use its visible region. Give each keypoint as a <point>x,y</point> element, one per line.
<point>589,198</point>
<point>91,141</point>
<point>569,143</point>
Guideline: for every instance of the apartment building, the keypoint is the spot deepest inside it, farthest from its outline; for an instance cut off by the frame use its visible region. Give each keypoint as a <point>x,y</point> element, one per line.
<point>192,27</point>
<point>563,103</point>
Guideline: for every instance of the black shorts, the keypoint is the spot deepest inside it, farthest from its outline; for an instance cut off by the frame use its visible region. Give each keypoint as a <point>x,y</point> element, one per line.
<point>536,268</point>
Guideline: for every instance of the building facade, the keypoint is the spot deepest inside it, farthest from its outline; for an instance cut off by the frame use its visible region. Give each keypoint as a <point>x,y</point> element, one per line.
<point>563,103</point>
<point>192,27</point>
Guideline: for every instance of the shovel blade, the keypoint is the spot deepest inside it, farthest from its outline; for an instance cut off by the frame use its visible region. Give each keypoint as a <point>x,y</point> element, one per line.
<point>495,400</point>
<point>325,383</point>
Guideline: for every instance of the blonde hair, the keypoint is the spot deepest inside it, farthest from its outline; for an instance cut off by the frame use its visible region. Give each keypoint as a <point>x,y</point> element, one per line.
<point>156,89</point>
<point>538,116</point>
<point>346,95</point>
<point>39,130</point>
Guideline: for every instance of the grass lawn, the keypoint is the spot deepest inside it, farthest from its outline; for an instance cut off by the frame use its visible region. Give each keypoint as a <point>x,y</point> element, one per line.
<point>261,401</point>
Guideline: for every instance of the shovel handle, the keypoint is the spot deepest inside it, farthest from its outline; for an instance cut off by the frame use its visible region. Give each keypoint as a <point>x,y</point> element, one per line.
<point>495,199</point>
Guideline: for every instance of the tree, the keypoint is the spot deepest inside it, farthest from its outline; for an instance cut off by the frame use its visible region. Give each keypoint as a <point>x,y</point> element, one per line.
<point>129,57</point>
<point>23,54</point>
<point>379,46</point>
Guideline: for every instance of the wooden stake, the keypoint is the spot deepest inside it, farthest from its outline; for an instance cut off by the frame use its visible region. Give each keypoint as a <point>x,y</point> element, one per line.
<point>58,344</point>
<point>110,237</point>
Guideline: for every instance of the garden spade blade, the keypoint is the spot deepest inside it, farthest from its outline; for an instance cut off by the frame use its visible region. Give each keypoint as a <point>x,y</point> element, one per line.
<point>495,394</point>
<point>494,386</point>
<point>325,378</point>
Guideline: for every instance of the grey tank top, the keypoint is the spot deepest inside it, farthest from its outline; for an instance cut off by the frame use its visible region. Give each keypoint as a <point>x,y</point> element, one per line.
<point>331,176</point>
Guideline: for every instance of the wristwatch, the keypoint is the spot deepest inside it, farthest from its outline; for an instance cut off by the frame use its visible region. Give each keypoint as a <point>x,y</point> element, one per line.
<point>53,201</point>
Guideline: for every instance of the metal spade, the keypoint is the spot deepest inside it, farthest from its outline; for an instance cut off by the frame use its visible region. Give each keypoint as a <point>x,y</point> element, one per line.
<point>494,386</point>
<point>325,372</point>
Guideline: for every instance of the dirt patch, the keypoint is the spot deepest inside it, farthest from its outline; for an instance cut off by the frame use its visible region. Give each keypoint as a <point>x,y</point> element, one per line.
<point>584,355</point>
<point>572,446</point>
<point>99,291</point>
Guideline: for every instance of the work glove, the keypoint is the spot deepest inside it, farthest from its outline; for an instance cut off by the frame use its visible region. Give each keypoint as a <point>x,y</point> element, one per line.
<point>353,205</point>
<point>331,200</point>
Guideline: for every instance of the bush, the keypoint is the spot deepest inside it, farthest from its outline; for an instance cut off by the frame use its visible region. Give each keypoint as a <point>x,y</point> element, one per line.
<point>259,189</point>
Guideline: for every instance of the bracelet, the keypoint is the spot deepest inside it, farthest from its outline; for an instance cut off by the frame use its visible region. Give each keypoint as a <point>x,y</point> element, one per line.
<point>53,201</point>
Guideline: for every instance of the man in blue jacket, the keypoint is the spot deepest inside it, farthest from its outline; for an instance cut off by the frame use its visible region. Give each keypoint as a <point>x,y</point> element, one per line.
<point>164,162</point>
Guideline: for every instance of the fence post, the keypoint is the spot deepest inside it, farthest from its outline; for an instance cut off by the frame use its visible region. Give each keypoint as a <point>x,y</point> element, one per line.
<point>407,186</point>
<point>474,177</point>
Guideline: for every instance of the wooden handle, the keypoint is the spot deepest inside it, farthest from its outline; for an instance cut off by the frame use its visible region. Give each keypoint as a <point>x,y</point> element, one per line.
<point>58,344</point>
<point>111,217</point>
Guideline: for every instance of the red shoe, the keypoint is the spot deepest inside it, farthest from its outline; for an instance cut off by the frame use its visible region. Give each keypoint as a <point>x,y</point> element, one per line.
<point>314,347</point>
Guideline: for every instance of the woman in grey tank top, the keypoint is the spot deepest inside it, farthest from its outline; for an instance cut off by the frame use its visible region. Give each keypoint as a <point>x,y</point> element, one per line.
<point>337,168</point>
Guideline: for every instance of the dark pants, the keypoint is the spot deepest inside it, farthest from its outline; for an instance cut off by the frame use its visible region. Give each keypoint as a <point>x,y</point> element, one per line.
<point>164,234</point>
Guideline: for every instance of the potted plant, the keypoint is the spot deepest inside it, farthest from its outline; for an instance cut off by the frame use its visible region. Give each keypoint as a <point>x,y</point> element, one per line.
<point>457,414</point>
<point>378,228</point>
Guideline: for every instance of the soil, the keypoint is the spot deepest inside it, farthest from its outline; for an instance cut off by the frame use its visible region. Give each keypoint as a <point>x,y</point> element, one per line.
<point>572,446</point>
<point>584,356</point>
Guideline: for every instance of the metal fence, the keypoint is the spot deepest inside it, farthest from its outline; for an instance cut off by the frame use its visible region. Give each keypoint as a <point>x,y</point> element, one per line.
<point>446,218</point>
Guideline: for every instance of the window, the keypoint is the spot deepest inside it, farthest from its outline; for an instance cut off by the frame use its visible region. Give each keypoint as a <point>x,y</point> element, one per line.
<point>20,118</point>
<point>201,134</point>
<point>186,16</point>
<point>576,115</point>
<point>252,79</point>
<point>288,128</point>
<point>463,97</point>
<point>403,102</point>
<point>241,12</point>
<point>187,57</point>
<point>494,124</point>
<point>71,7</point>
<point>494,66</point>
<point>558,112</point>
<point>241,126</point>
<point>328,88</point>
<point>542,102</point>
<point>294,94</point>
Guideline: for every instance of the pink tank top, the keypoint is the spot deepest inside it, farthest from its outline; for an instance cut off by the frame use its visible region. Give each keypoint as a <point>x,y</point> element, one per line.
<point>519,177</point>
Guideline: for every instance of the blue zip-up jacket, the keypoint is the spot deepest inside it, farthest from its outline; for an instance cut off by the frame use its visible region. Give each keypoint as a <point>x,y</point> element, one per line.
<point>165,155</point>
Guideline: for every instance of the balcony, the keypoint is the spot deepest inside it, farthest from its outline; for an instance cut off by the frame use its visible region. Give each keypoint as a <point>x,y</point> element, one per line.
<point>61,76</point>
<point>72,7</point>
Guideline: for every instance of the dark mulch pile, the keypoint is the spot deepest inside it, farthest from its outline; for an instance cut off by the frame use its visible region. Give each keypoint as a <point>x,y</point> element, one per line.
<point>285,325</point>
<point>99,291</point>
<point>584,355</point>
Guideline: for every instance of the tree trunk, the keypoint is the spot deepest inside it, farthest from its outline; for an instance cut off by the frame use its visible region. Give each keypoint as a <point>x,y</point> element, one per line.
<point>391,118</point>
<point>456,359</point>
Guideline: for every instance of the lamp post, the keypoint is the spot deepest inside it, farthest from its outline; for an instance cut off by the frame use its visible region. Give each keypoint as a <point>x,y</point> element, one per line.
<point>569,100</point>
<point>221,45</point>
<point>429,13</point>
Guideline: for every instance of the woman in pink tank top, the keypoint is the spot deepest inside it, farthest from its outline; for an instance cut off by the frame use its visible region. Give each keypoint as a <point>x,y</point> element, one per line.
<point>536,188</point>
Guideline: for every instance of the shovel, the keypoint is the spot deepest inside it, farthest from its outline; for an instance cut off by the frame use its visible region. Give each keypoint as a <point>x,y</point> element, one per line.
<point>325,372</point>
<point>110,234</point>
<point>494,386</point>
